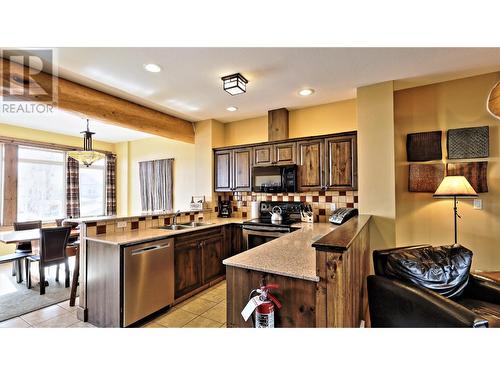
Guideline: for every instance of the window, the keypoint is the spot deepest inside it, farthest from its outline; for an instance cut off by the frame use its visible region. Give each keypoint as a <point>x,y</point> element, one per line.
<point>41,184</point>
<point>92,189</point>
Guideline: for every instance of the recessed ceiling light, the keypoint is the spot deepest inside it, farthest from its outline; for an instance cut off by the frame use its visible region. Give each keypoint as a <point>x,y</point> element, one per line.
<point>153,68</point>
<point>232,109</point>
<point>306,92</point>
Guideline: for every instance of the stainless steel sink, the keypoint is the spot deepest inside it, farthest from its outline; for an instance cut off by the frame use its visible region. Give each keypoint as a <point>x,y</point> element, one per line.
<point>194,224</point>
<point>173,227</point>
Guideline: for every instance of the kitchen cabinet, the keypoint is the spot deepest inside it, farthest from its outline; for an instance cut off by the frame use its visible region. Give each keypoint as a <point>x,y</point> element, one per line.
<point>212,257</point>
<point>223,163</point>
<point>198,259</point>
<point>310,161</point>
<point>326,162</point>
<point>233,170</point>
<point>242,170</point>
<point>279,154</point>
<point>187,266</point>
<point>341,163</point>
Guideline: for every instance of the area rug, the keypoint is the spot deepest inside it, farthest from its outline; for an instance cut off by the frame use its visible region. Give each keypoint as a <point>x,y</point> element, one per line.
<point>23,300</point>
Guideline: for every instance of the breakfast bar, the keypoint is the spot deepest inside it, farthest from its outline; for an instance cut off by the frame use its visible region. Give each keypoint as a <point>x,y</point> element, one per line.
<point>320,270</point>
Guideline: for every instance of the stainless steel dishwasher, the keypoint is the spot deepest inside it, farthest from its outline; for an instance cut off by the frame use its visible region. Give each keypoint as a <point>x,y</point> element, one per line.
<point>148,279</point>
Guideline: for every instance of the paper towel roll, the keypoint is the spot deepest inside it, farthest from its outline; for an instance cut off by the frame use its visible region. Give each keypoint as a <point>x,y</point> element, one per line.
<point>254,209</point>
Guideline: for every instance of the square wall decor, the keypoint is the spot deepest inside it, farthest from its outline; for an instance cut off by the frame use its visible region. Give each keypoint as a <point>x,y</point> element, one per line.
<point>474,172</point>
<point>424,146</point>
<point>425,178</point>
<point>468,143</point>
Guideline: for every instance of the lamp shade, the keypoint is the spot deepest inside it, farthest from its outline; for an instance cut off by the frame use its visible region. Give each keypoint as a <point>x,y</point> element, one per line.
<point>455,186</point>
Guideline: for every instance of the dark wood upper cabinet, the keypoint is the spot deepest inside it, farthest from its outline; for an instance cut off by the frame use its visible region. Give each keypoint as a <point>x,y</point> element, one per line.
<point>284,153</point>
<point>262,155</point>
<point>326,162</point>
<point>310,161</point>
<point>223,162</point>
<point>242,169</point>
<point>341,163</point>
<point>233,170</point>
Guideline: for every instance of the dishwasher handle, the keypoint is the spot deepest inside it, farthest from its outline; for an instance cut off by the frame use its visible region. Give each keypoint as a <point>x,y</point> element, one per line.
<point>149,248</point>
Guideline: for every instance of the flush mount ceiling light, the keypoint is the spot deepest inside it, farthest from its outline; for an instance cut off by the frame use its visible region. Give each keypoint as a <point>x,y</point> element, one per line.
<point>153,68</point>
<point>231,109</point>
<point>87,156</point>
<point>234,84</point>
<point>306,92</point>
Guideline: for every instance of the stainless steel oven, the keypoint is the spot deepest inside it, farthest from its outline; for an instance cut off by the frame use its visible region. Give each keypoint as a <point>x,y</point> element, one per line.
<point>255,235</point>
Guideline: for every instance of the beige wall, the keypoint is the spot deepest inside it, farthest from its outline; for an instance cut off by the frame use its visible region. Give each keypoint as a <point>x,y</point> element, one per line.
<point>162,148</point>
<point>376,175</point>
<point>422,219</point>
<point>317,120</point>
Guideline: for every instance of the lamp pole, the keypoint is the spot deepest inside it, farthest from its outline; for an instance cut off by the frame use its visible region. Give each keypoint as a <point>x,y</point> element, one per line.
<point>455,216</point>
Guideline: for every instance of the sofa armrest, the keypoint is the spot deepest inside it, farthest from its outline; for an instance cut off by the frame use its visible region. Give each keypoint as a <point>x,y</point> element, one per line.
<point>394,303</point>
<point>483,289</point>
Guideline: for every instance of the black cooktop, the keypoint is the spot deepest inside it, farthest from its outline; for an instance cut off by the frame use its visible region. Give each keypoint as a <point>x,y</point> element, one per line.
<point>286,222</point>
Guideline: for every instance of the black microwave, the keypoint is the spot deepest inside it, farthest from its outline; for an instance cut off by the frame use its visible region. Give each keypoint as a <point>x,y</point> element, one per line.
<point>274,179</point>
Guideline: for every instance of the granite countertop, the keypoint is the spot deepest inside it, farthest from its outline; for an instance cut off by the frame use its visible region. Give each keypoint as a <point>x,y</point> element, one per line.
<point>124,217</point>
<point>290,255</point>
<point>141,235</point>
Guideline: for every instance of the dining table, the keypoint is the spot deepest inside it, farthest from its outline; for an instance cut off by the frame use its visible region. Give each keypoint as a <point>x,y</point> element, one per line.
<point>29,235</point>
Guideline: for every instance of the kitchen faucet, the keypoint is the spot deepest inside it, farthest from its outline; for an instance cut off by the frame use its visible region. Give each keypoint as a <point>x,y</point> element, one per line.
<point>178,213</point>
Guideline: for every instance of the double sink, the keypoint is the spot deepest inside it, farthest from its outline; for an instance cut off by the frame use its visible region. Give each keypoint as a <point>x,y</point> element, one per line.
<point>192,224</point>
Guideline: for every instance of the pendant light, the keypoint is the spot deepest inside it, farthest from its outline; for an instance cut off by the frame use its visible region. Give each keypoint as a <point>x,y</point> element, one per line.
<point>87,156</point>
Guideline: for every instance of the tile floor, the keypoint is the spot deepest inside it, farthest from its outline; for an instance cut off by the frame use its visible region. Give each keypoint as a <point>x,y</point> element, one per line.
<point>204,310</point>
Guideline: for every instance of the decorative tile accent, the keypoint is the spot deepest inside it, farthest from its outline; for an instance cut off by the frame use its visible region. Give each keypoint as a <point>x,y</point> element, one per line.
<point>101,229</point>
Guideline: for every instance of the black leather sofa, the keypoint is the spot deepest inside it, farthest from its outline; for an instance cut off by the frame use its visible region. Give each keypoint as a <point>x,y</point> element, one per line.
<point>396,302</point>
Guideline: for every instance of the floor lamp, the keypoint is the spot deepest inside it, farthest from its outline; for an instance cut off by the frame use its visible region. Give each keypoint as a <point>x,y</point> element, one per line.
<point>455,187</point>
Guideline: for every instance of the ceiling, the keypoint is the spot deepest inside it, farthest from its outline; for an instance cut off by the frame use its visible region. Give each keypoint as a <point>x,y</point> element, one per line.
<point>190,87</point>
<point>71,124</point>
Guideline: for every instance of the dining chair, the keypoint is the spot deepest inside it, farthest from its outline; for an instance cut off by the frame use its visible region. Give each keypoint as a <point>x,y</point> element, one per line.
<point>23,247</point>
<point>53,243</point>
<point>73,243</point>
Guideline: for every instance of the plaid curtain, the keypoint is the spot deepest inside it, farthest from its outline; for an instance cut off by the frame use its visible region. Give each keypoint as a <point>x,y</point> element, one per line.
<point>110,185</point>
<point>72,188</point>
<point>156,184</point>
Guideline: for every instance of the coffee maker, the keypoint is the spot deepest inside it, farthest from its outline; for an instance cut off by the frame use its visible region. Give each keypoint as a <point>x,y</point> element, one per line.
<point>224,209</point>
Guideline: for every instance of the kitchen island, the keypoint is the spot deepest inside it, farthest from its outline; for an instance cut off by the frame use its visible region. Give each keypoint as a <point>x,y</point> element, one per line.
<point>321,271</point>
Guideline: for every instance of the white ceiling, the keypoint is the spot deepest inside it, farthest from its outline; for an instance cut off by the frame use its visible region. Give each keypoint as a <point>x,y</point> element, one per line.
<point>190,87</point>
<point>71,124</point>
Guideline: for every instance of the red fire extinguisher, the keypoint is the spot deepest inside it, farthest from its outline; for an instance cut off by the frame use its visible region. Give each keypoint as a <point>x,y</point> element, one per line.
<point>262,302</point>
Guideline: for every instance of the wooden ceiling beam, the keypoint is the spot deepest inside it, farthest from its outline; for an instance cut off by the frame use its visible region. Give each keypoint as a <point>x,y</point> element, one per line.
<point>92,103</point>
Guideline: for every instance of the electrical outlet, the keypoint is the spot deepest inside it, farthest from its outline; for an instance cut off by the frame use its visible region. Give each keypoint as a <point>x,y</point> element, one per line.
<point>478,204</point>
<point>121,224</point>
<point>333,207</point>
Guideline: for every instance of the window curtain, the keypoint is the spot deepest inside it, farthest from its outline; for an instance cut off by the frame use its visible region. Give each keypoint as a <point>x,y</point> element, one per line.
<point>72,188</point>
<point>110,185</point>
<point>156,184</point>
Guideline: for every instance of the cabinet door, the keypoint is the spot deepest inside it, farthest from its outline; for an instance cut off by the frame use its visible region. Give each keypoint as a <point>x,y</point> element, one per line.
<point>284,153</point>
<point>341,165</point>
<point>212,256</point>
<point>242,169</point>
<point>222,166</point>
<point>236,239</point>
<point>187,267</point>
<point>310,160</point>
<point>262,155</point>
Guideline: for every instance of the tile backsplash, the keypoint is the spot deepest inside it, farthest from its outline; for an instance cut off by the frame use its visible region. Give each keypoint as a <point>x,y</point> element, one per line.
<point>320,201</point>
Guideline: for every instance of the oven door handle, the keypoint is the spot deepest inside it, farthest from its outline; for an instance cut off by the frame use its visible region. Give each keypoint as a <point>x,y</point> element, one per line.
<point>255,228</point>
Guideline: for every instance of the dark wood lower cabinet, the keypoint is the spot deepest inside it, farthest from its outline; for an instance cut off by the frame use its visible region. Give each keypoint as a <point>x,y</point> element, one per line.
<point>187,267</point>
<point>212,254</point>
<point>198,259</point>
<point>236,245</point>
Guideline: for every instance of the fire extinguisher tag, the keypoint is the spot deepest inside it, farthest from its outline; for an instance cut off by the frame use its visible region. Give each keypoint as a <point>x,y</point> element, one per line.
<point>251,306</point>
